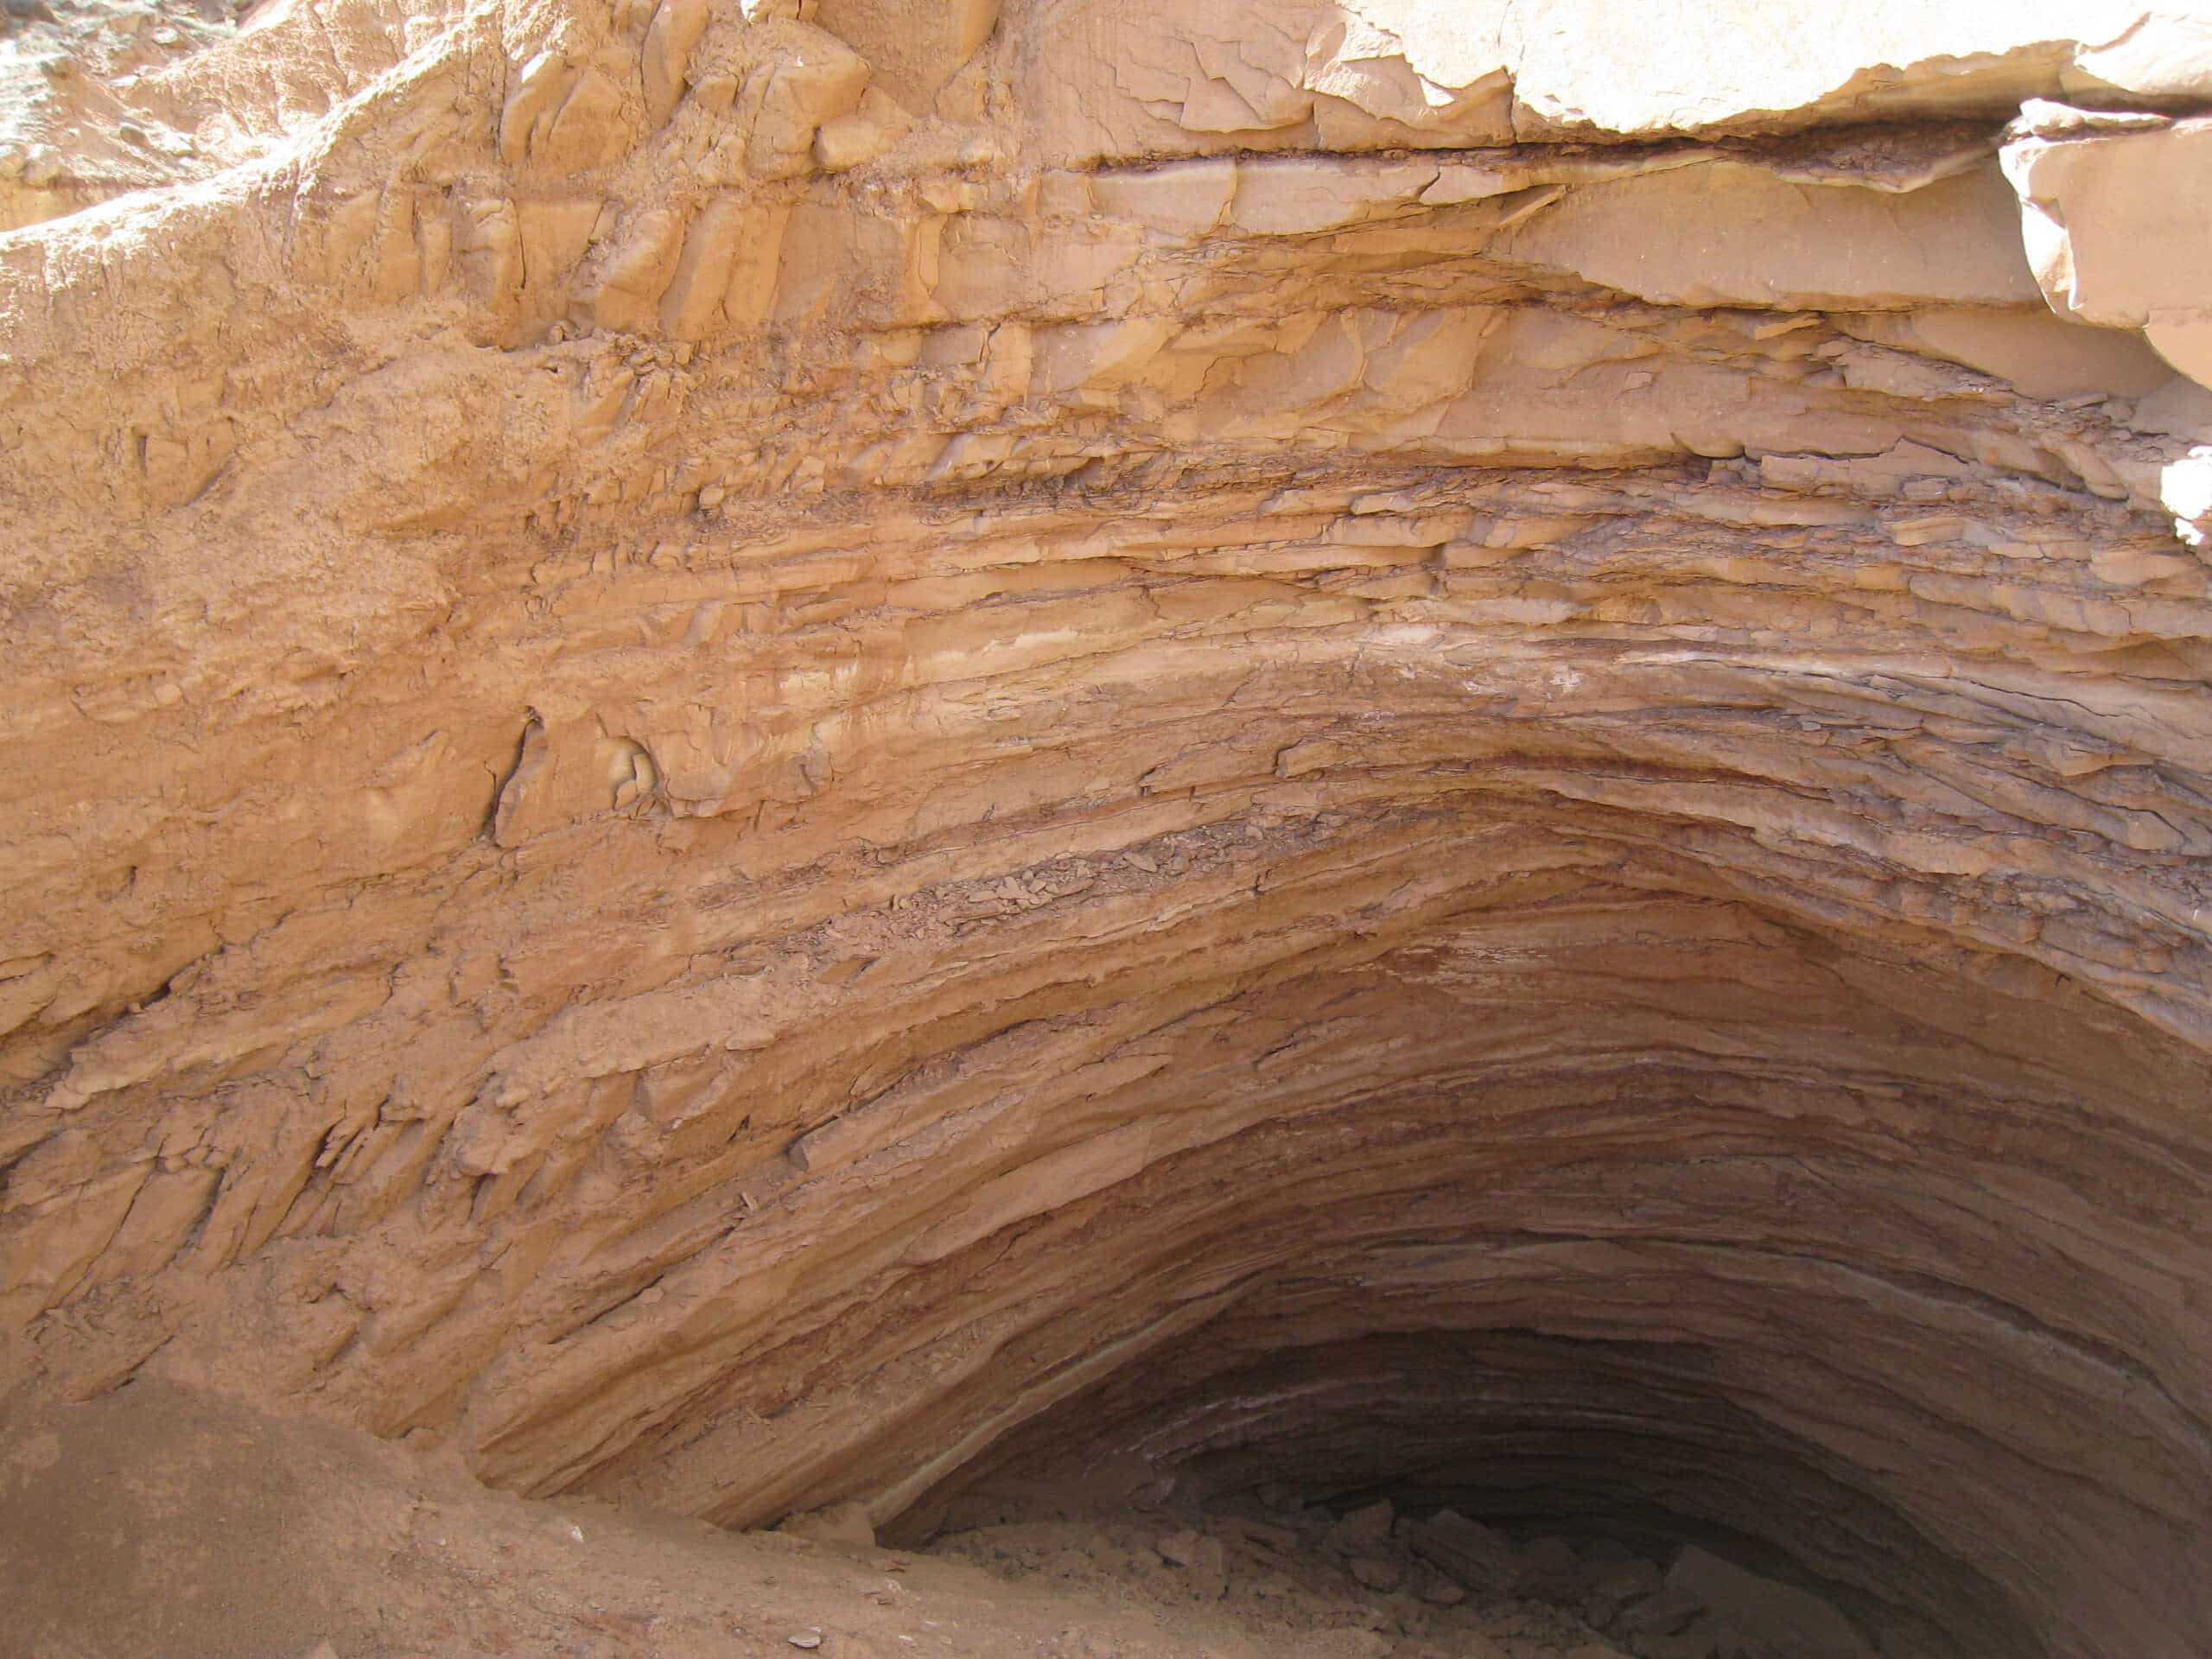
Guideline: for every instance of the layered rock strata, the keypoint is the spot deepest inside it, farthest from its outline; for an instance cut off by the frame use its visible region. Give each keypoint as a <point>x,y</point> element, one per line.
<point>769,753</point>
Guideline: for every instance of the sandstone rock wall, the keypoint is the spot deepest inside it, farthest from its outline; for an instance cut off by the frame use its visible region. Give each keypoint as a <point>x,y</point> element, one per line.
<point>764,753</point>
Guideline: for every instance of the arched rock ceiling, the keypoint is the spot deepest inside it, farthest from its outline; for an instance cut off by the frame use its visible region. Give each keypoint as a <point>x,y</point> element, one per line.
<point>758,759</point>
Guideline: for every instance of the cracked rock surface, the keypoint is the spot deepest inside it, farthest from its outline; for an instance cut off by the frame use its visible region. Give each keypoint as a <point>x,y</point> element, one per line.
<point>768,755</point>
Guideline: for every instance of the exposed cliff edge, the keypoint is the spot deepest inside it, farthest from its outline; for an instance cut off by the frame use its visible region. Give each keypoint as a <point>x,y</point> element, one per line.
<point>768,753</point>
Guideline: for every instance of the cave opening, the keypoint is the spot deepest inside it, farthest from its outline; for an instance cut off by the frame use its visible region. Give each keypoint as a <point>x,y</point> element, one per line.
<point>1783,1259</point>
<point>1614,1184</point>
<point>1606,1478</point>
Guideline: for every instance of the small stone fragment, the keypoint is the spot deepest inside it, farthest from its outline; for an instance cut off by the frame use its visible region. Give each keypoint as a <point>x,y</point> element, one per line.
<point>1377,1573</point>
<point>1549,1568</point>
<point>1361,1530</point>
<point>1664,1612</point>
<point>1439,1591</point>
<point>847,1524</point>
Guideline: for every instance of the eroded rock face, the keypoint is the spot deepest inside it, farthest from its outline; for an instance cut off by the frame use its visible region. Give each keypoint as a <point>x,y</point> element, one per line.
<point>767,755</point>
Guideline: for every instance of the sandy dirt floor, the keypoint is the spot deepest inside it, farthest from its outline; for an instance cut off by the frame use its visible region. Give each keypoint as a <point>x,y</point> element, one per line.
<point>159,1522</point>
